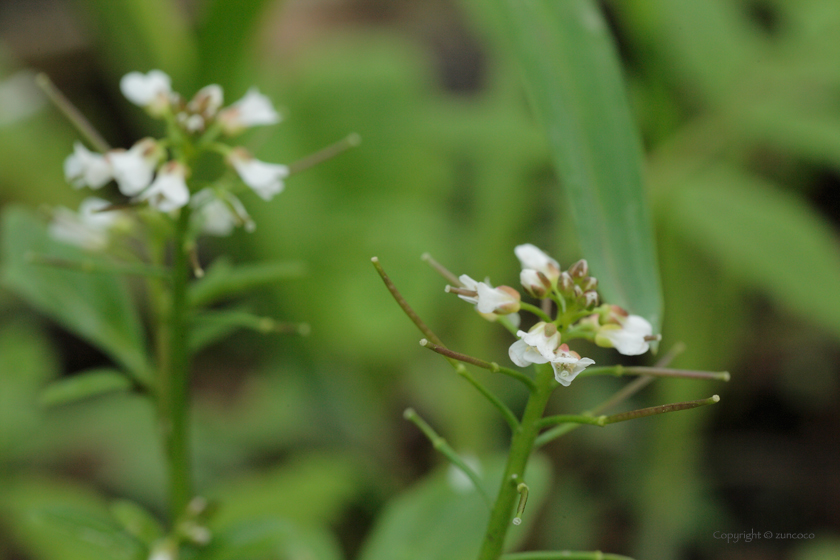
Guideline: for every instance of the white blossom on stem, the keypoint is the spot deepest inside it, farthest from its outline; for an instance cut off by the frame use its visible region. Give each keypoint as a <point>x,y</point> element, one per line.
<point>531,257</point>
<point>134,168</point>
<point>254,109</point>
<point>87,228</point>
<point>631,335</point>
<point>487,299</point>
<point>151,91</point>
<point>219,213</point>
<point>266,179</point>
<point>567,364</point>
<point>84,168</point>
<point>537,346</point>
<point>169,190</point>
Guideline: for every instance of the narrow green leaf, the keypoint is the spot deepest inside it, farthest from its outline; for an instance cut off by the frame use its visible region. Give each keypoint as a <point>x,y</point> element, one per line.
<point>765,237</point>
<point>271,537</point>
<point>84,527</point>
<point>137,521</point>
<point>574,78</point>
<point>95,306</point>
<point>84,386</point>
<point>223,280</point>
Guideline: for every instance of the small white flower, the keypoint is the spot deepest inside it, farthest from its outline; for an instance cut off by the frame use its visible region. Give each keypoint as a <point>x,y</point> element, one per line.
<point>254,109</point>
<point>489,300</point>
<point>568,364</point>
<point>169,190</point>
<point>207,100</point>
<point>133,169</point>
<point>266,179</point>
<point>151,91</point>
<point>631,336</point>
<point>220,213</point>
<point>84,168</point>
<point>532,257</point>
<point>88,228</point>
<point>537,346</point>
<point>535,283</point>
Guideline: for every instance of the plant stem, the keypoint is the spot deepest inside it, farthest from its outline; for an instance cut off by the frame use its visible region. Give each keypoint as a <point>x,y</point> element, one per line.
<point>521,445</point>
<point>174,379</point>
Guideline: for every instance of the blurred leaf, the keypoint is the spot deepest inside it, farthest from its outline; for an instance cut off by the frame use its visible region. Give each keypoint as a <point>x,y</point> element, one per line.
<point>83,527</point>
<point>142,35</point>
<point>85,385</point>
<point>223,280</point>
<point>96,307</point>
<point>225,37</point>
<point>765,237</point>
<point>308,489</point>
<point>434,522</point>
<point>50,519</point>
<point>137,521</point>
<point>574,78</point>
<point>27,361</point>
<point>272,539</point>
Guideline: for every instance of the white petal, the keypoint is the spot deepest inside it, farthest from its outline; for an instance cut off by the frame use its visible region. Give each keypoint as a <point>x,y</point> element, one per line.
<point>517,353</point>
<point>146,89</point>
<point>253,109</point>
<point>266,179</point>
<point>84,168</point>
<point>133,171</point>
<point>490,299</point>
<point>169,191</point>
<point>530,256</point>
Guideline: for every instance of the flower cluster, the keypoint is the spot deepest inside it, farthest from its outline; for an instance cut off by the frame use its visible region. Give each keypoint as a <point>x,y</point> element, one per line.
<point>155,173</point>
<point>573,295</point>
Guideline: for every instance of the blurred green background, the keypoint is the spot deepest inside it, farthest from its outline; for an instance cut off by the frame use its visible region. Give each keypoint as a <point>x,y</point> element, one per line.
<point>738,103</point>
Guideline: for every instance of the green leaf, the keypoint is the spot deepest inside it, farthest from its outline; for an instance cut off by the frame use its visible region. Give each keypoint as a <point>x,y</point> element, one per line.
<point>97,307</point>
<point>223,280</point>
<point>765,237</point>
<point>85,385</point>
<point>434,522</point>
<point>82,526</point>
<point>574,79</point>
<point>137,521</point>
<point>271,538</point>
<point>308,489</point>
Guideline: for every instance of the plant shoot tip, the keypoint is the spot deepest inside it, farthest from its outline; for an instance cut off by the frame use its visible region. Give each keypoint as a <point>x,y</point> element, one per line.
<point>408,413</point>
<point>517,520</point>
<point>725,376</point>
<point>715,398</point>
<point>354,139</point>
<point>425,257</point>
<point>423,342</point>
<point>374,259</point>
<point>447,288</point>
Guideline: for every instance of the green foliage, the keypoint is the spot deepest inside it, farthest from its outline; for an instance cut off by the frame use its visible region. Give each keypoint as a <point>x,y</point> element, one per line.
<point>574,78</point>
<point>84,385</point>
<point>96,307</point>
<point>432,521</point>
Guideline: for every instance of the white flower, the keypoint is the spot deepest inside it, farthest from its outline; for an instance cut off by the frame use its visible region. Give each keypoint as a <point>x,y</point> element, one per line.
<point>568,364</point>
<point>84,168</point>
<point>219,213</point>
<point>169,190</point>
<point>207,100</point>
<point>537,346</point>
<point>532,257</point>
<point>266,179</point>
<point>535,283</point>
<point>88,228</point>
<point>630,337</point>
<point>253,109</point>
<point>133,169</point>
<point>487,299</point>
<point>151,91</point>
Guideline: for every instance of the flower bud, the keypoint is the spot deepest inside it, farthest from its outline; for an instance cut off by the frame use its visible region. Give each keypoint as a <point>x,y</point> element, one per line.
<point>565,284</point>
<point>578,293</point>
<point>589,283</point>
<point>579,270</point>
<point>591,297</point>
<point>535,283</point>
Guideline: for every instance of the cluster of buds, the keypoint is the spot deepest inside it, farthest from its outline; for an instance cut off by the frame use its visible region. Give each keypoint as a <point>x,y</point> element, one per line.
<point>573,296</point>
<point>154,173</point>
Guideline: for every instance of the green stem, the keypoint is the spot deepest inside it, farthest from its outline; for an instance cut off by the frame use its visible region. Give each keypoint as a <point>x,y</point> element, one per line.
<point>491,366</point>
<point>535,310</point>
<point>521,446</point>
<point>174,381</point>
<point>443,447</point>
<point>72,113</point>
<point>619,370</point>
